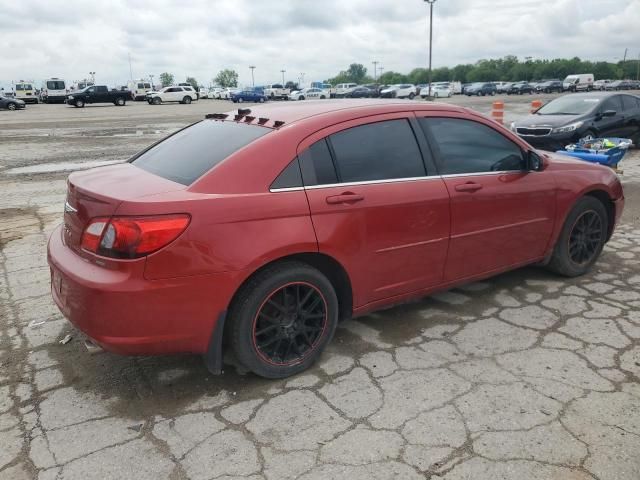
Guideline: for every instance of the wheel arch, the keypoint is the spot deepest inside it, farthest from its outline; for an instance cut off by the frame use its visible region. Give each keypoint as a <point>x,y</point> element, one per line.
<point>608,204</point>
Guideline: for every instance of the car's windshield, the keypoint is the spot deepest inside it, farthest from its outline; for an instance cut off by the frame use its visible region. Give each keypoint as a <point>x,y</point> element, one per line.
<point>569,105</point>
<point>187,155</point>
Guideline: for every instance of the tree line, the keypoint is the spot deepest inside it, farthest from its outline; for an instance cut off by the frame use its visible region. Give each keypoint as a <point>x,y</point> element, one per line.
<point>508,68</point>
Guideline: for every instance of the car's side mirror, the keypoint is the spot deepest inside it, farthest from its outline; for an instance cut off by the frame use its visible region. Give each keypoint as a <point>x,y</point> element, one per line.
<point>535,163</point>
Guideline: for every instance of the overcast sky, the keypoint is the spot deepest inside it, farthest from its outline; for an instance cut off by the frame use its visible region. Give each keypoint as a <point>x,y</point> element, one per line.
<point>68,38</point>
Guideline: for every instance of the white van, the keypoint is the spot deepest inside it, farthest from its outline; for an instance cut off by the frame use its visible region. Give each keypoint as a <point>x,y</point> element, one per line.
<point>53,90</point>
<point>25,91</point>
<point>343,88</point>
<point>578,82</point>
<point>139,89</point>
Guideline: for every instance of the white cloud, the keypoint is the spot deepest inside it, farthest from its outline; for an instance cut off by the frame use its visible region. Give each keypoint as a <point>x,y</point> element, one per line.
<point>43,38</point>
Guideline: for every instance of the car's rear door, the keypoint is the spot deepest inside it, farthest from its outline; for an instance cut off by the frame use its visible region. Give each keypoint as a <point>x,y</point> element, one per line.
<point>502,215</point>
<point>374,205</point>
<point>631,112</point>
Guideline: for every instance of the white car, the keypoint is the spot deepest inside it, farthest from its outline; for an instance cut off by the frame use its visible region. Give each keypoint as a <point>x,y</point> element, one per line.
<point>225,93</point>
<point>437,91</point>
<point>215,92</point>
<point>343,88</point>
<point>309,94</point>
<point>182,94</point>
<point>203,93</point>
<point>401,90</point>
<point>601,84</point>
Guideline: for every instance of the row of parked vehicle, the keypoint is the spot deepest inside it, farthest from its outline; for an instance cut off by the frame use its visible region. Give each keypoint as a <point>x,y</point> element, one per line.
<point>572,83</point>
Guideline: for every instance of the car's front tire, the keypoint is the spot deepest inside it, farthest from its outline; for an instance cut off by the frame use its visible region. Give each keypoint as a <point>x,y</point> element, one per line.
<point>11,106</point>
<point>582,238</point>
<point>282,319</point>
<point>79,103</point>
<point>186,100</point>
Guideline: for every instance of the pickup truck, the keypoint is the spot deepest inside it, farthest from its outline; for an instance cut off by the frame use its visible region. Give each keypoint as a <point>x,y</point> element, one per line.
<point>98,94</point>
<point>276,90</point>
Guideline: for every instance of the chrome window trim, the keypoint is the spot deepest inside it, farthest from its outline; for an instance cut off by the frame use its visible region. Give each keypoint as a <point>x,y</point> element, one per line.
<point>394,180</point>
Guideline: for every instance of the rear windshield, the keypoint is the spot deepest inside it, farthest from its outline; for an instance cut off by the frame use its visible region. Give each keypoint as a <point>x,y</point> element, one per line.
<point>187,155</point>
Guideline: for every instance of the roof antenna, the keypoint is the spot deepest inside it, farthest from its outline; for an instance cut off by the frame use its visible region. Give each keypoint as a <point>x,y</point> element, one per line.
<point>278,123</point>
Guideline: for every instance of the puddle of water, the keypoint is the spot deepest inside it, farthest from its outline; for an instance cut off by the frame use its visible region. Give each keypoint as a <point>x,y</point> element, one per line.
<point>60,167</point>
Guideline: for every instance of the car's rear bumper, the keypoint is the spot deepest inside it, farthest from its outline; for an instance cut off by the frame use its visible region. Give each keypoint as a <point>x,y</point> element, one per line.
<point>125,313</point>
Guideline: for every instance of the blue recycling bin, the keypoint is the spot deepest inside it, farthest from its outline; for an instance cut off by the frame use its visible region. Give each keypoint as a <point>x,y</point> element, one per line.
<point>609,157</point>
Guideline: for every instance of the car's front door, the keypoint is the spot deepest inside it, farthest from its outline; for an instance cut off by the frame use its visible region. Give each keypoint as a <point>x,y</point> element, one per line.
<point>375,207</point>
<point>502,215</point>
<point>612,126</point>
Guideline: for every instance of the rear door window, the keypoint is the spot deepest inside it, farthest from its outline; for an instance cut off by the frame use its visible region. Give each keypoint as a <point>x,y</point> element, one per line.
<point>377,151</point>
<point>465,146</point>
<point>629,103</point>
<point>187,155</point>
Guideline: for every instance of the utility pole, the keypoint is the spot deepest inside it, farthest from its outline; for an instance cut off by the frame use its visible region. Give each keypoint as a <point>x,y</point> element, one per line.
<point>283,72</point>
<point>301,79</point>
<point>130,69</point>
<point>93,77</point>
<point>375,70</point>
<point>430,2</point>
<point>253,82</point>
<point>638,72</point>
<point>151,77</point>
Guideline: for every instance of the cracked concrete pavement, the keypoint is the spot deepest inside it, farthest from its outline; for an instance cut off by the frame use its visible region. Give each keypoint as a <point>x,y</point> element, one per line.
<point>526,375</point>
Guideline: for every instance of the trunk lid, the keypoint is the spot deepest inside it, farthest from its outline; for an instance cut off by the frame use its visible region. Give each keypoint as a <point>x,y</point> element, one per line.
<point>98,193</point>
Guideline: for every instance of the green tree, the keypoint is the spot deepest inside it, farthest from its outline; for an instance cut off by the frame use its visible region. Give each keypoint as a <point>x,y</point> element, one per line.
<point>166,79</point>
<point>391,78</point>
<point>227,78</point>
<point>357,73</point>
<point>193,82</point>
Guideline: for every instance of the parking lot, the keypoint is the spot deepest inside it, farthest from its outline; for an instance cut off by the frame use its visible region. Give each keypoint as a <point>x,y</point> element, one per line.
<point>526,375</point>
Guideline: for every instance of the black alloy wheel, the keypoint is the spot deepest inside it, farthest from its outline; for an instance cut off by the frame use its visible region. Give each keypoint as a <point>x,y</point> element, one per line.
<point>290,323</point>
<point>585,238</point>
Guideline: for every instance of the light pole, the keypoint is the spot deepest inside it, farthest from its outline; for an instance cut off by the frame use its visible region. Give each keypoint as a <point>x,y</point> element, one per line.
<point>375,65</point>
<point>93,77</point>
<point>252,67</point>
<point>301,79</point>
<point>430,2</point>
<point>282,72</point>
<point>151,77</point>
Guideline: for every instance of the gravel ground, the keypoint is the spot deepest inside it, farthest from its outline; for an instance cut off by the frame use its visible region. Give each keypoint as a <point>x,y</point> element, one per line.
<point>525,375</point>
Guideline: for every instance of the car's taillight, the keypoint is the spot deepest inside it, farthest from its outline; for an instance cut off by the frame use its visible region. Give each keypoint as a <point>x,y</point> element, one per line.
<point>132,237</point>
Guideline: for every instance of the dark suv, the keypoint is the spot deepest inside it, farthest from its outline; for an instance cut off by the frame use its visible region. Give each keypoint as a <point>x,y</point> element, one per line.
<point>519,88</point>
<point>549,86</point>
<point>480,89</point>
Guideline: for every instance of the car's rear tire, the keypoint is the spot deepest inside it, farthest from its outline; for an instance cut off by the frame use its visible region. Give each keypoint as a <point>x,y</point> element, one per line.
<point>11,106</point>
<point>582,238</point>
<point>79,103</point>
<point>261,99</point>
<point>302,98</point>
<point>240,100</point>
<point>412,96</point>
<point>282,319</point>
<point>186,100</point>
<point>120,102</point>
<point>322,97</point>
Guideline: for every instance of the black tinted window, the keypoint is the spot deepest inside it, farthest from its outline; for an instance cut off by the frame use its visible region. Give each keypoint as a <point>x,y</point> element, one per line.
<point>290,177</point>
<point>465,146</point>
<point>629,102</point>
<point>191,152</point>
<point>317,165</point>
<point>611,103</point>
<point>377,151</point>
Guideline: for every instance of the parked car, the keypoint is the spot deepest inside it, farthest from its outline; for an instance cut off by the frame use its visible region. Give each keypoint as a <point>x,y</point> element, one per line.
<point>255,95</point>
<point>330,91</point>
<point>343,88</point>
<point>549,86</point>
<point>572,117</point>
<point>11,103</point>
<point>53,90</point>
<point>98,94</point>
<point>437,91</point>
<point>578,82</point>
<point>226,93</point>
<point>308,94</point>
<point>139,89</point>
<point>277,91</point>
<point>520,88</point>
<point>181,94</point>
<point>344,230</point>
<point>619,85</point>
<point>601,84</point>
<point>203,93</point>
<point>362,92</point>
<point>400,90</point>
<point>481,89</point>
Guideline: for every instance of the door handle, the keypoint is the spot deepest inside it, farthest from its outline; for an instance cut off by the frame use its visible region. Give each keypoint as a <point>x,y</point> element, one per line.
<point>347,197</point>
<point>468,187</point>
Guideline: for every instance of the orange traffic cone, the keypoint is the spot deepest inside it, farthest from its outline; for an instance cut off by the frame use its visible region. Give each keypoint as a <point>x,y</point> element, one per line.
<point>497,112</point>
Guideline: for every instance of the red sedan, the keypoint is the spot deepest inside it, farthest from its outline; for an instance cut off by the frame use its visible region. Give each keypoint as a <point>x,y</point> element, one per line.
<point>260,229</point>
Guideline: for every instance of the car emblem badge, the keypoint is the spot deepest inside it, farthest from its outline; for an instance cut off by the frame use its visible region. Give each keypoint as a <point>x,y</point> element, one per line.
<point>68,208</point>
